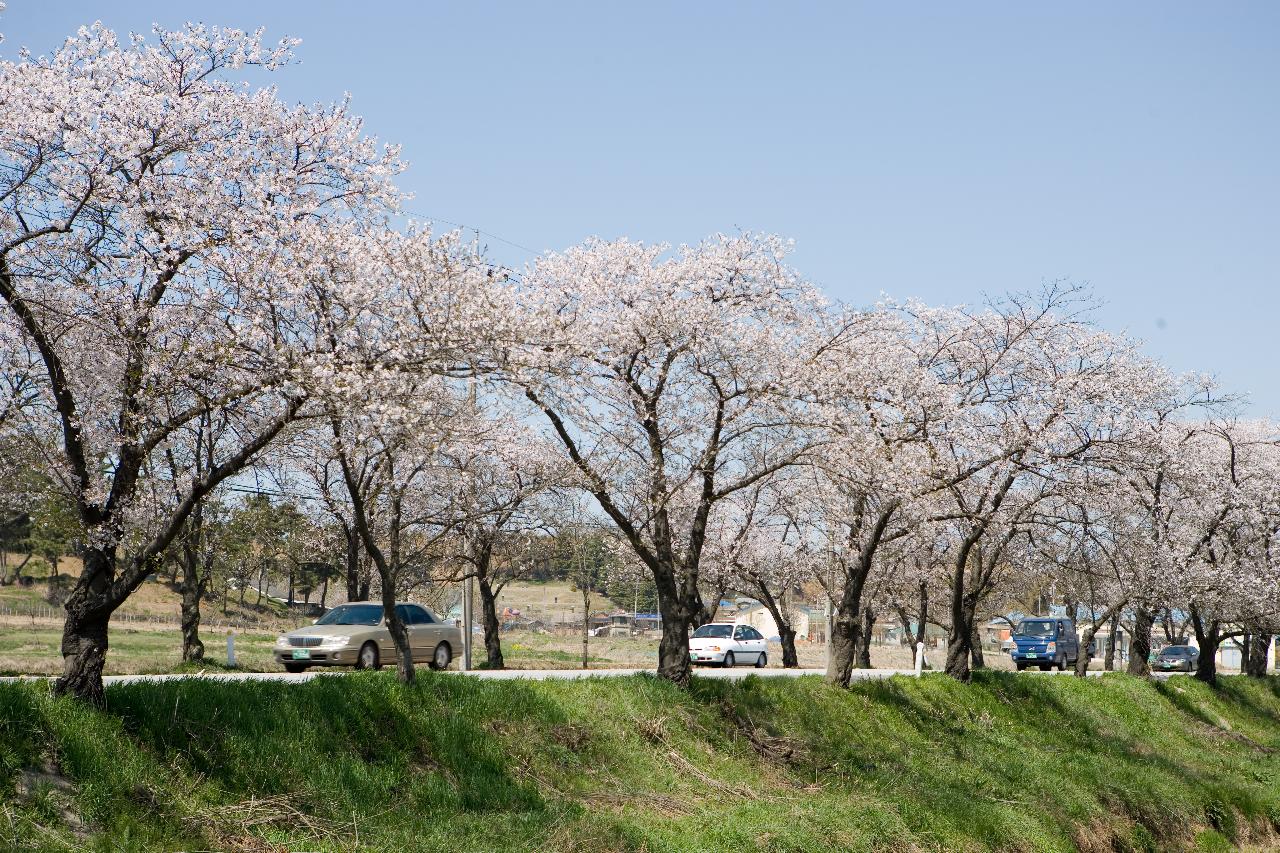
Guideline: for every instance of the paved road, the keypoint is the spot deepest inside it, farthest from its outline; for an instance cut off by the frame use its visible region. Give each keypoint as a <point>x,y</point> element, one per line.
<point>531,674</point>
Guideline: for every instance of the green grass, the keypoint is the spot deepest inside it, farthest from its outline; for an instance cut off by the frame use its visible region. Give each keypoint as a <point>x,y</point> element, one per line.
<point>35,651</point>
<point>359,762</point>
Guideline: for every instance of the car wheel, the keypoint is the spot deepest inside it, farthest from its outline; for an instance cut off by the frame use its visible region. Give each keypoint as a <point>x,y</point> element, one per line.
<point>367,657</point>
<point>1019,665</point>
<point>295,667</point>
<point>729,659</point>
<point>1060,664</point>
<point>762,661</point>
<point>440,659</point>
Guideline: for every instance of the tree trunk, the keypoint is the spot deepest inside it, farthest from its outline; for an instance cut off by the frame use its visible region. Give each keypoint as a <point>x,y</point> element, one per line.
<point>17,570</point>
<point>673,648</point>
<point>192,589</point>
<point>866,630</point>
<point>845,628</point>
<point>399,633</point>
<point>353,565</point>
<point>1259,648</point>
<point>924,616</point>
<point>1246,646</point>
<point>586,623</point>
<point>84,634</point>
<point>1109,662</point>
<point>84,653</point>
<point>1140,642</point>
<point>1208,638</point>
<point>787,638</point>
<point>192,647</point>
<point>978,661</point>
<point>1111,614</point>
<point>786,633</point>
<point>56,592</point>
<point>324,592</point>
<point>489,617</point>
<point>960,638</point>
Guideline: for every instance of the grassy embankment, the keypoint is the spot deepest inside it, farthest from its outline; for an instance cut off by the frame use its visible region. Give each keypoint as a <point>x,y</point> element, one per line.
<point>1018,763</point>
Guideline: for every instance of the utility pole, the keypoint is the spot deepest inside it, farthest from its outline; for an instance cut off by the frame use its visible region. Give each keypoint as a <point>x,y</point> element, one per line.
<point>466,582</point>
<point>466,623</point>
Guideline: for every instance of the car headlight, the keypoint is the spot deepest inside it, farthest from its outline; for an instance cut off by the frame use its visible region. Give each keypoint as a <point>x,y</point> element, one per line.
<point>282,642</point>
<point>334,642</point>
<point>1051,648</point>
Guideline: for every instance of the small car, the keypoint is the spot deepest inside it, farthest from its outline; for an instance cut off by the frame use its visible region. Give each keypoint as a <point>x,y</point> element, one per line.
<point>1177,659</point>
<point>728,644</point>
<point>1045,642</point>
<point>356,634</point>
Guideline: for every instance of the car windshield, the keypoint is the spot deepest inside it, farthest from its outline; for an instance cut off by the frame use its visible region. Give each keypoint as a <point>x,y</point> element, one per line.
<point>352,614</point>
<point>1035,628</point>
<point>1175,651</point>
<point>718,631</point>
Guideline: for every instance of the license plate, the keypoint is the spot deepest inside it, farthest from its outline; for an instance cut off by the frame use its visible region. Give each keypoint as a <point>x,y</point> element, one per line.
<point>302,654</point>
<point>1031,654</point>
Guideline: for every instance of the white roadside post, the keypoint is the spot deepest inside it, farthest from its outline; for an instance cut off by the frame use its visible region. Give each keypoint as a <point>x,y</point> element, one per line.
<point>919,658</point>
<point>231,648</point>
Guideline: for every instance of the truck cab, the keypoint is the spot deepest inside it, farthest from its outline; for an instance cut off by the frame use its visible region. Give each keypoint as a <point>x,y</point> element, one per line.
<point>1045,641</point>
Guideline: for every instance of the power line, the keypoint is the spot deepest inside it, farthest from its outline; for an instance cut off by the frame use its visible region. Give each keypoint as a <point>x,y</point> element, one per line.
<point>465,227</point>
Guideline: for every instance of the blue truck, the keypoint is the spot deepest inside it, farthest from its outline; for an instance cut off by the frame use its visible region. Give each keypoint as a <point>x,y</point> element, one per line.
<point>1045,641</point>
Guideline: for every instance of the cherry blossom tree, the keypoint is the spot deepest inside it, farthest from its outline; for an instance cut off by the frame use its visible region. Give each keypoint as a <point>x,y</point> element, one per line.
<point>155,221</point>
<point>1036,390</point>
<point>668,383</point>
<point>759,551</point>
<point>498,477</point>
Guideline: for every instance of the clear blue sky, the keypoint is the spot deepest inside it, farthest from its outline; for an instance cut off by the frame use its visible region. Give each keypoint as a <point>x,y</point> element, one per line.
<point>940,151</point>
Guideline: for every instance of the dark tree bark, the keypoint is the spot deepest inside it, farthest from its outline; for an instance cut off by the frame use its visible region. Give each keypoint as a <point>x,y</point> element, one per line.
<point>923,610</point>
<point>84,653</point>
<point>1208,638</point>
<point>976,658</point>
<point>386,562</point>
<point>1109,662</point>
<point>197,570</point>
<point>960,638</point>
<point>967,592</point>
<point>1259,647</point>
<point>866,630</point>
<point>673,646</point>
<point>847,628</point>
<point>786,632</point>
<point>354,590</point>
<point>192,647</point>
<point>489,618</point>
<point>1111,615</point>
<point>1140,642</point>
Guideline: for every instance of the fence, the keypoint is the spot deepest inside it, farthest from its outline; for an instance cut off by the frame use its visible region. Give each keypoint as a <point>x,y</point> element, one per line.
<point>41,611</point>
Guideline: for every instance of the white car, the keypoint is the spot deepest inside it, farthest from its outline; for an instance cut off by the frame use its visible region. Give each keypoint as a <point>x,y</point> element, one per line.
<point>726,644</point>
